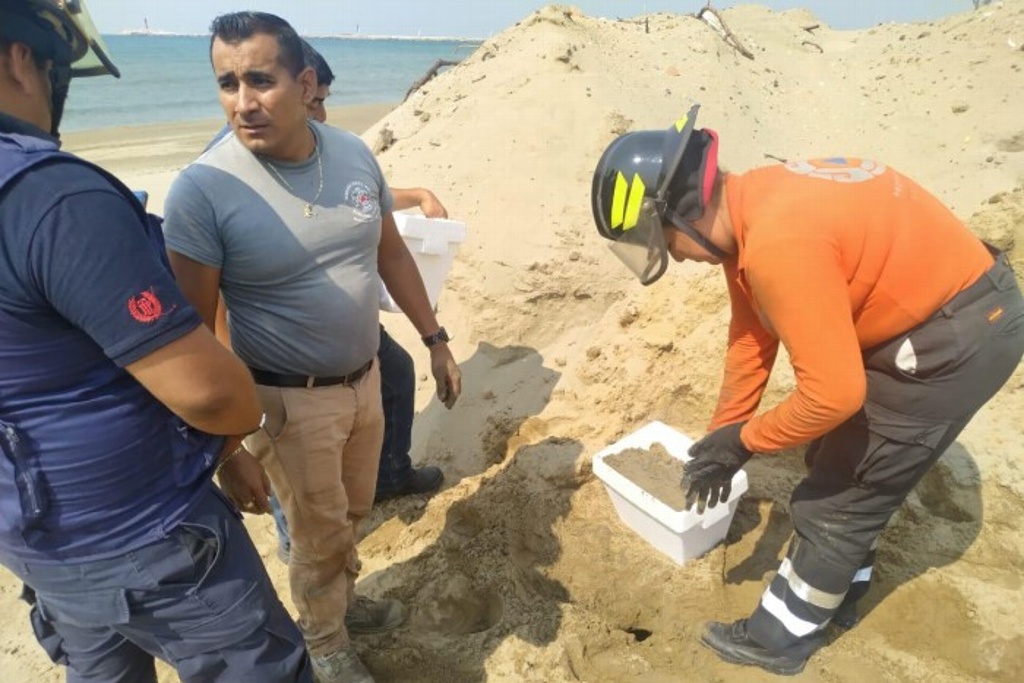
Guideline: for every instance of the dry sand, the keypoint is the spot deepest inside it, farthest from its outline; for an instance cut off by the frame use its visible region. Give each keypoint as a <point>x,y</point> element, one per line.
<point>520,570</point>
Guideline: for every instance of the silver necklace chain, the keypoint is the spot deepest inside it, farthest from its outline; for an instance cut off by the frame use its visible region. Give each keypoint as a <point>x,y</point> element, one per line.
<point>307,210</point>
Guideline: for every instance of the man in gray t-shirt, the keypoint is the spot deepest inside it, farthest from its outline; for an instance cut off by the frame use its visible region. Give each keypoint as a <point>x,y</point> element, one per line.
<point>302,291</point>
<point>292,221</point>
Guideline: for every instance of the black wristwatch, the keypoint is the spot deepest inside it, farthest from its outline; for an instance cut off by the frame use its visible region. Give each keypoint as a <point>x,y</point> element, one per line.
<point>440,336</point>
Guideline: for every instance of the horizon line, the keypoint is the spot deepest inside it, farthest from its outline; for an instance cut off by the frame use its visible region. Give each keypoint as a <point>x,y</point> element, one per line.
<point>329,36</point>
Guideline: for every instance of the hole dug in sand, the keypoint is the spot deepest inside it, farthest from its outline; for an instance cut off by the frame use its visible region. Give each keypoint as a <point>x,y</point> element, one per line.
<point>460,609</point>
<point>641,634</point>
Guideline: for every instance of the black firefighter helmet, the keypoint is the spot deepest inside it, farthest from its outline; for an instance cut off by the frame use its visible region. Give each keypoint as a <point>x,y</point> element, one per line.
<point>62,32</point>
<point>648,178</point>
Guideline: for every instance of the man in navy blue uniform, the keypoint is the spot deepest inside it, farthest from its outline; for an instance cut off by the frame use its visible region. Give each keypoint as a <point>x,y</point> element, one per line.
<point>117,405</point>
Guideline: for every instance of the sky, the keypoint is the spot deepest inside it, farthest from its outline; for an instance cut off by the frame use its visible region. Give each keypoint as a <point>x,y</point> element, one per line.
<point>471,18</point>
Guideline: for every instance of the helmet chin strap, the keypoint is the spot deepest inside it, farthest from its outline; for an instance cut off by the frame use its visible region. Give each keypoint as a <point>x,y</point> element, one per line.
<point>696,236</point>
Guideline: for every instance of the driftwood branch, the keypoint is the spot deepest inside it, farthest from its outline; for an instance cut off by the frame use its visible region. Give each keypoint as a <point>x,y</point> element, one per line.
<point>716,22</point>
<point>431,72</point>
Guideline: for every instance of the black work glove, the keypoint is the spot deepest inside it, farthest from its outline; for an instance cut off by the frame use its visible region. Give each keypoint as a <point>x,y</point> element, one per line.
<point>707,477</point>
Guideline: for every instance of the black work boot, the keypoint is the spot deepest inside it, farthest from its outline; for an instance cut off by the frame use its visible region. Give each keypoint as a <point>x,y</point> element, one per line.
<point>734,645</point>
<point>426,479</point>
<point>846,616</point>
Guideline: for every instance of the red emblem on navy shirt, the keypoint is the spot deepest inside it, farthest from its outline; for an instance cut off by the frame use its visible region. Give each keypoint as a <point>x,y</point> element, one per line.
<point>146,307</point>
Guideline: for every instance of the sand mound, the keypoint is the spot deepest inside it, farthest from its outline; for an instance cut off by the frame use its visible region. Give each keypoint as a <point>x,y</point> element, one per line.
<point>520,569</point>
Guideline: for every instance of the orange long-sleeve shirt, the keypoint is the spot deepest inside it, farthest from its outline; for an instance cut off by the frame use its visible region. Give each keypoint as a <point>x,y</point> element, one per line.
<point>835,256</point>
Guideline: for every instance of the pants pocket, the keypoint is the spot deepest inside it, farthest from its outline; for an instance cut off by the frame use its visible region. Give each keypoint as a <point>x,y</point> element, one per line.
<point>87,609</point>
<point>900,449</point>
<point>206,599</point>
<point>275,409</point>
<point>182,566</point>
<point>47,636</point>
<point>930,350</point>
<point>263,443</point>
<point>203,546</point>
<point>91,650</point>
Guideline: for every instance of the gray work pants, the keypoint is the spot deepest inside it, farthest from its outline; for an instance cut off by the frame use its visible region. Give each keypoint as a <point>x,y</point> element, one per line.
<point>923,387</point>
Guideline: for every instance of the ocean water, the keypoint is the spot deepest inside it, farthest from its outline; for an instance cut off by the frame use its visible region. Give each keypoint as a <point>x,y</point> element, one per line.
<point>168,78</point>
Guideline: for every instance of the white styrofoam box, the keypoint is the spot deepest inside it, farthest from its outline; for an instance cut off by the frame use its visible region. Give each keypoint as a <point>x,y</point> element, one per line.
<point>432,243</point>
<point>681,534</point>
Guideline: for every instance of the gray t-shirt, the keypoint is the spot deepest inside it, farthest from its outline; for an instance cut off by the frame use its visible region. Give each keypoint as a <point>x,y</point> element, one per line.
<point>301,292</point>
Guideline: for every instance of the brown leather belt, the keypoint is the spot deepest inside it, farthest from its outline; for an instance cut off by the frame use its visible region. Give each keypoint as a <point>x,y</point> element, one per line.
<point>276,379</point>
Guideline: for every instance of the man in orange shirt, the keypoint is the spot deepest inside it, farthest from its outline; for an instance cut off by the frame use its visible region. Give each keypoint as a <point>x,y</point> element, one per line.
<point>899,322</point>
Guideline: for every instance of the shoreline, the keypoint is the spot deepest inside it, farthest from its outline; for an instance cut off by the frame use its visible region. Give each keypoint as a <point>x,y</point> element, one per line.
<point>148,156</point>
<point>156,147</point>
<point>349,116</point>
<point>156,33</point>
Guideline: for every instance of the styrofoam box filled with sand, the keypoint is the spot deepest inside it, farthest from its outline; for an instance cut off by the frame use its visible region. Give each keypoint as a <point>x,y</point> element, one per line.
<point>679,533</point>
<point>432,243</point>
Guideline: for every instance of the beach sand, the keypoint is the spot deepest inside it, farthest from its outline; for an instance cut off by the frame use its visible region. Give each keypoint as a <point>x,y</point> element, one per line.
<point>520,570</point>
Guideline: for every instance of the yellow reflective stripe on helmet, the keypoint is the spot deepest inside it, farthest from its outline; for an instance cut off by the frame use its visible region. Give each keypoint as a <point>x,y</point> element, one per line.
<point>626,201</point>
<point>619,200</point>
<point>636,199</point>
<point>681,123</point>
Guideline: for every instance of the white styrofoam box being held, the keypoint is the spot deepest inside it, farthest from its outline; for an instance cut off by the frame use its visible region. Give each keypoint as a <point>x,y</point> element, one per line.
<point>432,243</point>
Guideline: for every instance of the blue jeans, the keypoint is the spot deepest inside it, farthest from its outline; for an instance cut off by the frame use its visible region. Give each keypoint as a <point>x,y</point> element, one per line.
<point>199,599</point>
<point>398,396</point>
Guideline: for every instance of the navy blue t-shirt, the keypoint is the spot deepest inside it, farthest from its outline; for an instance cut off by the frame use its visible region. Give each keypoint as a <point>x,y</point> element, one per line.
<point>74,252</point>
<point>99,465</point>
